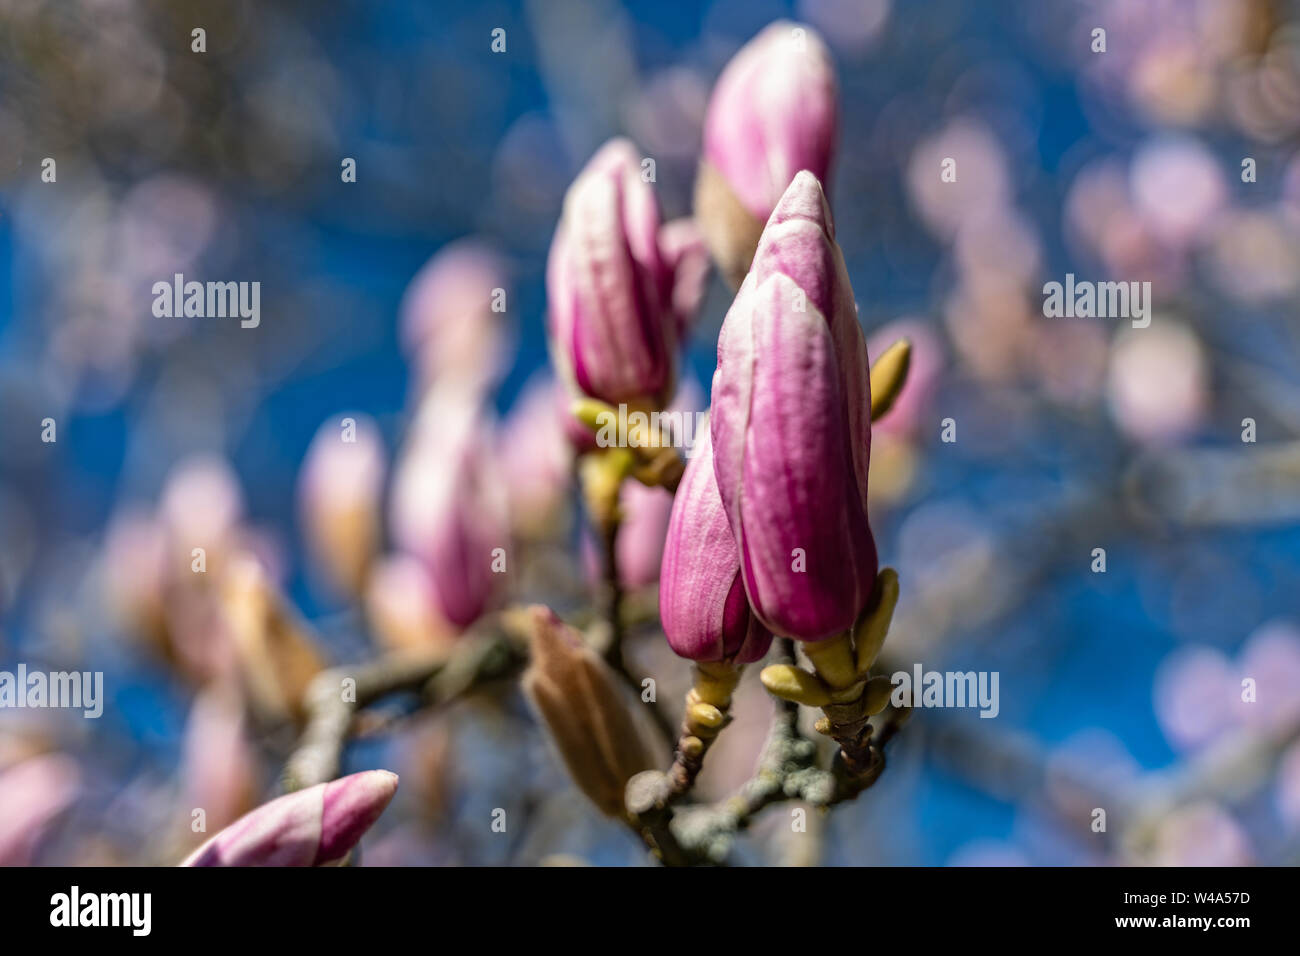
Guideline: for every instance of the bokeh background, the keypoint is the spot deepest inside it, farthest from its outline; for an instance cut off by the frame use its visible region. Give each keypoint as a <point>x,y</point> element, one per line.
<point>1119,690</point>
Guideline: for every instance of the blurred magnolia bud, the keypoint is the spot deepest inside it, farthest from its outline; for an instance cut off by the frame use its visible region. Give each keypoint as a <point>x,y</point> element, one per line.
<point>585,711</point>
<point>276,655</point>
<point>641,535</point>
<point>201,506</point>
<point>639,548</point>
<point>400,606</point>
<point>449,505</point>
<point>772,113</point>
<point>536,459</point>
<point>686,255</point>
<point>339,492</point>
<point>134,574</point>
<point>219,767</point>
<point>33,794</point>
<point>312,827</point>
<point>1271,658</point>
<point>453,317</point>
<point>1193,696</point>
<point>1177,188</point>
<point>613,330</point>
<point>1158,387</point>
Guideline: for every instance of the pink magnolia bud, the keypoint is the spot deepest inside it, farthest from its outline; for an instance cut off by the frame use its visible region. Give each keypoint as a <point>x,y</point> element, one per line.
<point>339,492</point>
<point>610,313</point>
<point>33,794</point>
<point>400,605</point>
<point>641,532</point>
<point>791,426</point>
<point>453,316</point>
<point>687,255</point>
<point>220,767</point>
<point>312,827</point>
<point>135,566</point>
<point>202,506</point>
<point>772,114</point>
<point>448,505</point>
<point>702,603</point>
<point>535,457</point>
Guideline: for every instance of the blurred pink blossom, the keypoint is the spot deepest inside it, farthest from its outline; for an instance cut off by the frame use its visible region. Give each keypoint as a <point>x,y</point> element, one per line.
<point>982,181</point>
<point>852,26</point>
<point>913,405</point>
<point>1195,694</point>
<point>1271,658</point>
<point>1158,386</point>
<point>33,794</point>
<point>448,504</point>
<point>535,456</point>
<point>453,319</point>
<point>340,486</point>
<point>401,608</point>
<point>1202,834</point>
<point>219,766</point>
<point>1178,188</point>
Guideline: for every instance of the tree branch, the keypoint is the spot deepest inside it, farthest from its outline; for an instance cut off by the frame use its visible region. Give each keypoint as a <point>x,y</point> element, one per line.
<point>490,651</point>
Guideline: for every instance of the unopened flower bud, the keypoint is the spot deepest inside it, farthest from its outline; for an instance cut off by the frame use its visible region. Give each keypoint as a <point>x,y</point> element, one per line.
<point>772,113</point>
<point>340,487</point>
<point>585,711</point>
<point>313,827</point>
<point>610,315</point>
<point>791,427</point>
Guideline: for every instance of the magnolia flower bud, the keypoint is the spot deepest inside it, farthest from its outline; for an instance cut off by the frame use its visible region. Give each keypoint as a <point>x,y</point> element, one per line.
<point>791,426</point>
<point>401,609</point>
<point>584,709</point>
<point>201,505</point>
<point>134,574</point>
<point>640,546</point>
<point>276,654</point>
<point>312,827</point>
<point>219,765</point>
<point>536,460</point>
<point>702,603</point>
<point>340,487</point>
<point>448,505</point>
<point>453,317</point>
<point>610,313</point>
<point>772,114</point>
<point>687,255</point>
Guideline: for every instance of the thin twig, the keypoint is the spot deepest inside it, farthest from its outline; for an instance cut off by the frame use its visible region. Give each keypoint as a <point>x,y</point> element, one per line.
<point>336,695</point>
